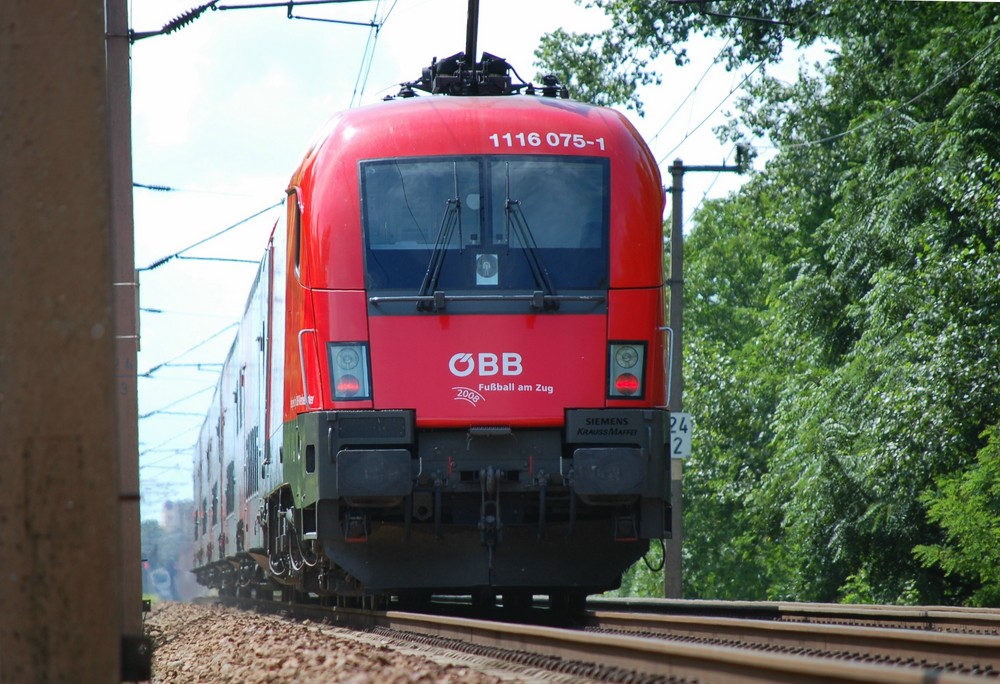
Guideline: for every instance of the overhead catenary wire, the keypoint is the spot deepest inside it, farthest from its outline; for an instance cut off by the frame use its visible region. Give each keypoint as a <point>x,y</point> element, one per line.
<point>178,401</point>
<point>368,56</point>
<point>156,187</point>
<point>193,314</point>
<point>715,61</point>
<point>887,111</point>
<point>211,337</point>
<point>680,106</point>
<point>703,8</point>
<point>194,13</point>
<point>714,110</point>
<point>290,5</point>
<point>892,108</point>
<point>170,257</point>
<point>230,260</point>
<point>174,24</point>
<point>204,366</point>
<point>704,196</point>
<point>167,441</point>
<point>176,466</point>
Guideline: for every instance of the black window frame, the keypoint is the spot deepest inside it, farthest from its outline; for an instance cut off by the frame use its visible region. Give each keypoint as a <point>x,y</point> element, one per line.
<point>561,256</point>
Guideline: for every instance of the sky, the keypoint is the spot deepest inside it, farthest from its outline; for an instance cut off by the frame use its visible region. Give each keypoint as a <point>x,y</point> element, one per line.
<point>223,110</point>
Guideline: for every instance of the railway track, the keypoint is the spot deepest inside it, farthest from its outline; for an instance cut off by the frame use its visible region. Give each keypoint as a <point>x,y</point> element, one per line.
<point>921,649</point>
<point>610,645</point>
<point>936,618</point>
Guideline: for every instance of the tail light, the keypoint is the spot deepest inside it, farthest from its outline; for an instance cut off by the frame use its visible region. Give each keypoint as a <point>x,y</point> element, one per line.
<point>626,370</point>
<point>350,378</point>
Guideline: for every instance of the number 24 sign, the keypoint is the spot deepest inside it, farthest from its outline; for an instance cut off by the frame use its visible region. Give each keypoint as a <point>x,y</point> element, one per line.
<point>680,435</point>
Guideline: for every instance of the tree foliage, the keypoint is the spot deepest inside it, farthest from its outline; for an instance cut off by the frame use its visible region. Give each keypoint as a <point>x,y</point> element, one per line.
<point>967,506</point>
<point>843,308</point>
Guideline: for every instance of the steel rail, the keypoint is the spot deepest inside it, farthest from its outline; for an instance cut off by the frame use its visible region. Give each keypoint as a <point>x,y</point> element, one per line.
<point>973,652</point>
<point>941,618</point>
<point>664,658</point>
<point>593,654</point>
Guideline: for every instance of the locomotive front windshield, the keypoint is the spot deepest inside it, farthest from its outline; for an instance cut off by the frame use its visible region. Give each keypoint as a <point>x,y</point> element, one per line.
<point>485,224</point>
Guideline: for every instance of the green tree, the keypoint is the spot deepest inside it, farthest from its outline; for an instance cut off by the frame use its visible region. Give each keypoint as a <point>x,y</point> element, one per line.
<point>967,506</point>
<point>842,348</point>
<point>911,257</point>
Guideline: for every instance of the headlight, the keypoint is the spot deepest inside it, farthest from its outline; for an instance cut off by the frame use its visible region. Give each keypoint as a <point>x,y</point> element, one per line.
<point>626,370</point>
<point>626,356</point>
<point>350,377</point>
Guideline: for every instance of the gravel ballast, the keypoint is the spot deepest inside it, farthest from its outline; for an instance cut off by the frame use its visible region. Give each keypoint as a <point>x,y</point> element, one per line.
<point>211,643</point>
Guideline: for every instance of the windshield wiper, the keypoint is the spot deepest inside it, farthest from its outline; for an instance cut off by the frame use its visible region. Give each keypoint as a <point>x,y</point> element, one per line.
<point>514,216</point>
<point>452,217</point>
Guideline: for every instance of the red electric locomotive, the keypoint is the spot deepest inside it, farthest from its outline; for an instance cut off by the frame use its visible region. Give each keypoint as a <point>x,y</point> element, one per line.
<point>450,375</point>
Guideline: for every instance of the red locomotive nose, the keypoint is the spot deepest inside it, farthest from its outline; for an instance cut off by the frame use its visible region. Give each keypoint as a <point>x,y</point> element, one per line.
<point>457,334</point>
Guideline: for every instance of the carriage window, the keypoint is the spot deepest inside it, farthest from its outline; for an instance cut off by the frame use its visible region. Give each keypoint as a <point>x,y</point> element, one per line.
<point>482,223</point>
<point>231,487</point>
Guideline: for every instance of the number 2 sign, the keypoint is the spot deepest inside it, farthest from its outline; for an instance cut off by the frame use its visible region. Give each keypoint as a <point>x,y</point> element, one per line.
<point>680,435</point>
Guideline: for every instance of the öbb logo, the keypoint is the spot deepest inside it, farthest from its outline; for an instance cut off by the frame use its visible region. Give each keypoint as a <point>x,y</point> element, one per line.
<point>463,364</point>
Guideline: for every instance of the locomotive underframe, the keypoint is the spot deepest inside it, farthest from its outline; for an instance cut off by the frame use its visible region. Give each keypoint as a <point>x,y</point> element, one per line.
<point>377,498</point>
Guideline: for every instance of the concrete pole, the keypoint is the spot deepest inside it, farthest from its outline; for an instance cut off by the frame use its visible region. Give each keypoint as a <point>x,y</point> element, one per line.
<point>672,566</point>
<point>673,585</point>
<point>126,320</point>
<point>60,569</point>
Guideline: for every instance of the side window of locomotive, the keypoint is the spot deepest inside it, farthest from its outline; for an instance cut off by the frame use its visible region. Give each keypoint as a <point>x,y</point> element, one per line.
<point>295,219</point>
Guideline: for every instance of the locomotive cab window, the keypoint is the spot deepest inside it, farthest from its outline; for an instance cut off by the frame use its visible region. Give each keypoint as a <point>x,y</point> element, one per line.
<point>500,224</point>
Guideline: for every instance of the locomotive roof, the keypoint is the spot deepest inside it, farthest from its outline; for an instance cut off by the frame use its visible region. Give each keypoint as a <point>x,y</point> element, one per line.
<point>444,125</point>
